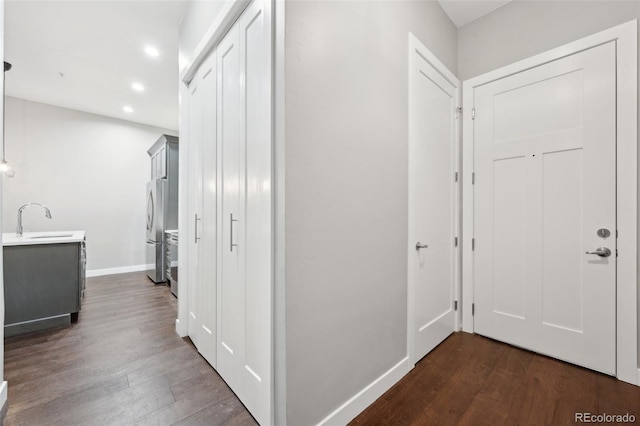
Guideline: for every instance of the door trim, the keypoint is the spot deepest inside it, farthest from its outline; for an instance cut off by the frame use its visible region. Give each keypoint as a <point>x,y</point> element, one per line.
<point>625,37</point>
<point>417,48</point>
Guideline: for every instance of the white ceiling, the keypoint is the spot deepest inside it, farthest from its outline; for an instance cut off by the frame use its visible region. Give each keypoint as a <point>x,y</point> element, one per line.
<point>99,48</point>
<point>461,12</point>
<point>85,54</point>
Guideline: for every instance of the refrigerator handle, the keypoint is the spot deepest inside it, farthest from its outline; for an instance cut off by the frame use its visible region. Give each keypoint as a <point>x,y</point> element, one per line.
<point>150,211</point>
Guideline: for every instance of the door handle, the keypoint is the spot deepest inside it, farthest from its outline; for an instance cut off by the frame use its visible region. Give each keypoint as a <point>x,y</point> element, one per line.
<point>195,229</point>
<point>600,251</point>
<point>420,246</point>
<point>231,244</point>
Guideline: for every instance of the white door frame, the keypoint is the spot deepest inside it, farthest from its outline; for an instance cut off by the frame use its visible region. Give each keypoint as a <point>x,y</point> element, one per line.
<point>625,37</point>
<point>416,47</point>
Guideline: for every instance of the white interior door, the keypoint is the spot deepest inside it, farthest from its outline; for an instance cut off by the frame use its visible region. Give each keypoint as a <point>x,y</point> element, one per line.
<point>244,164</point>
<point>545,158</point>
<point>196,135</point>
<point>207,273</point>
<point>202,196</point>
<point>433,133</point>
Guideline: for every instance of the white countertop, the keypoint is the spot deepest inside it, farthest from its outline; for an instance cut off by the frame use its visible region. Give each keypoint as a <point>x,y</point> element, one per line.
<point>51,237</point>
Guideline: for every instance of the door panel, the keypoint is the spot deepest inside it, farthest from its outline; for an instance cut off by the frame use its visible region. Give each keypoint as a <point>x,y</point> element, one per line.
<point>544,157</point>
<point>230,290</point>
<point>244,163</point>
<point>208,224</point>
<point>196,134</point>
<point>432,214</point>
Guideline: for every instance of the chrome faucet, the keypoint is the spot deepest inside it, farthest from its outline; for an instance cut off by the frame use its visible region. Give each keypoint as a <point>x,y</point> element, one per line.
<point>47,213</point>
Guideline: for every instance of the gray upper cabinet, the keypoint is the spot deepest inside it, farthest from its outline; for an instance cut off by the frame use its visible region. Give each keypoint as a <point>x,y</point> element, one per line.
<point>164,157</point>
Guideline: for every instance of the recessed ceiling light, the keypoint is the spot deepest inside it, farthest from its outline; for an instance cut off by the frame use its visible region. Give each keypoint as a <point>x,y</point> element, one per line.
<point>151,51</point>
<point>137,87</point>
<point>127,109</point>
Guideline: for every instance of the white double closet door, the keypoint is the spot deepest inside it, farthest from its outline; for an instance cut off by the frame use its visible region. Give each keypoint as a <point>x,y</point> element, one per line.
<point>230,277</point>
<point>545,208</point>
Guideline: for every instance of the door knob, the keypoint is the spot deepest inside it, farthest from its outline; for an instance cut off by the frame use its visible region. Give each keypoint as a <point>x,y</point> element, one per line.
<point>419,246</point>
<point>600,251</point>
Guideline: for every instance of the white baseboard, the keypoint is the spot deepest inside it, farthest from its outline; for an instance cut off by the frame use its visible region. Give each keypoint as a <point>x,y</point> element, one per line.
<point>182,331</point>
<point>120,270</point>
<point>354,406</point>
<point>3,398</point>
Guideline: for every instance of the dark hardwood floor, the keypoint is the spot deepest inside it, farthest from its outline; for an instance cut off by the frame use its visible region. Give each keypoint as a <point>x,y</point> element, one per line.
<point>122,363</point>
<point>472,380</point>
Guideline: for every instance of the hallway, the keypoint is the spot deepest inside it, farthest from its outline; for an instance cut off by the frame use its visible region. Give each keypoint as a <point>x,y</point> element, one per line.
<point>121,363</point>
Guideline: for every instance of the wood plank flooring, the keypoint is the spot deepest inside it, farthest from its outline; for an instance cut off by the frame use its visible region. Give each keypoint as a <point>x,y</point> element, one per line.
<point>122,363</point>
<point>472,380</point>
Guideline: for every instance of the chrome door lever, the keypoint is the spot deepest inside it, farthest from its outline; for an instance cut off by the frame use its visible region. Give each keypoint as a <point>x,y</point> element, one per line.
<point>600,251</point>
<point>420,246</point>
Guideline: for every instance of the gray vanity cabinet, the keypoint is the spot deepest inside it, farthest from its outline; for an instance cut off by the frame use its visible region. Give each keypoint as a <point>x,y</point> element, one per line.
<point>43,285</point>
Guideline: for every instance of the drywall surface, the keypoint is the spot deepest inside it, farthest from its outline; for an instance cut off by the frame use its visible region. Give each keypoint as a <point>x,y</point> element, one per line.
<point>90,170</point>
<point>3,396</point>
<point>346,146</point>
<point>524,28</point>
<point>195,22</point>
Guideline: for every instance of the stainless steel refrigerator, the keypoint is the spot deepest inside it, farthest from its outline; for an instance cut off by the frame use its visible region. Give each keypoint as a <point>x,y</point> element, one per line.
<point>162,203</point>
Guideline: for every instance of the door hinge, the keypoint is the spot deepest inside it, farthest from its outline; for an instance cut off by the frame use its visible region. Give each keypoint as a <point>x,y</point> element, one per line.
<point>455,242</point>
<point>473,178</point>
<point>473,113</point>
<point>473,244</point>
<point>473,309</point>
<point>458,112</point>
<point>616,252</point>
<point>616,233</point>
<point>455,176</point>
<point>455,305</point>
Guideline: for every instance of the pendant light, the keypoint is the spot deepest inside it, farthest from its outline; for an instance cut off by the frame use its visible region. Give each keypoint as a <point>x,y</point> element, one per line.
<point>5,167</point>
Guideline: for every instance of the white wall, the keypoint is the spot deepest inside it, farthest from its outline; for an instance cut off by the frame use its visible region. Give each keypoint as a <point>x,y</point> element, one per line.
<point>90,170</point>
<point>346,119</point>
<point>195,22</point>
<point>3,384</point>
<point>524,28</point>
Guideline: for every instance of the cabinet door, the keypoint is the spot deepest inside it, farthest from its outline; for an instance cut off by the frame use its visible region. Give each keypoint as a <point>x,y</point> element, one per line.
<point>162,163</point>
<point>153,167</point>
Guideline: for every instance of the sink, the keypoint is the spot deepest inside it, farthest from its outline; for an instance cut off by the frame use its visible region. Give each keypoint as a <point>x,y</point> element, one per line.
<point>50,236</point>
<point>39,238</point>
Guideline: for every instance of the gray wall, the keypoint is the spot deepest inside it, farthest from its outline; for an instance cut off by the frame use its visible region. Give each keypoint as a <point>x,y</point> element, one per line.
<point>195,22</point>
<point>346,192</point>
<point>90,170</point>
<point>525,28</point>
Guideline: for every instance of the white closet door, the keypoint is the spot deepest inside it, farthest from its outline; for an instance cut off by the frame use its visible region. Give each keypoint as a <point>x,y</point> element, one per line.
<point>245,272</point>
<point>196,134</point>
<point>232,218</point>
<point>545,188</point>
<point>208,223</point>
<point>255,369</point>
<point>202,201</point>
